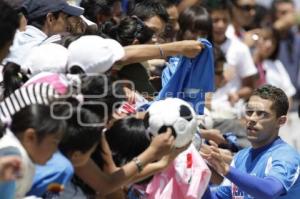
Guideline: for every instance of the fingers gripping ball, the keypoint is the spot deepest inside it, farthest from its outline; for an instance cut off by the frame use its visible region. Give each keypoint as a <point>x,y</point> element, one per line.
<point>176,114</point>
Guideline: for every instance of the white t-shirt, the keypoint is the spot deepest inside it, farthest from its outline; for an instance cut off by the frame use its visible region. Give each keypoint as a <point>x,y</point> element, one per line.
<point>277,75</point>
<point>230,32</point>
<point>239,63</point>
<point>23,43</point>
<point>27,172</point>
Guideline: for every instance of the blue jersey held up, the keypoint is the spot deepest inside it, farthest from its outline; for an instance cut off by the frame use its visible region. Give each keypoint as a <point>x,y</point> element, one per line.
<point>192,79</point>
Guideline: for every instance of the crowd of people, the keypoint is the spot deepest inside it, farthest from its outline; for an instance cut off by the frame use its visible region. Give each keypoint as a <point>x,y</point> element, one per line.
<point>82,80</point>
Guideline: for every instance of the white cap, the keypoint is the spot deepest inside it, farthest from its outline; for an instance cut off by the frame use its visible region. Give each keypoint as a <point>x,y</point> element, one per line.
<point>48,57</point>
<point>94,54</point>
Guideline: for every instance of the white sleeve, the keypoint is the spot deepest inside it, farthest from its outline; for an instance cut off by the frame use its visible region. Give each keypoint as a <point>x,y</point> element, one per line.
<point>245,67</point>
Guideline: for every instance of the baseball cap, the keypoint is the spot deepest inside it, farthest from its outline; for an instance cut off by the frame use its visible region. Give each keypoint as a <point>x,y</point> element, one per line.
<point>15,4</point>
<point>38,8</point>
<point>94,54</point>
<point>48,57</point>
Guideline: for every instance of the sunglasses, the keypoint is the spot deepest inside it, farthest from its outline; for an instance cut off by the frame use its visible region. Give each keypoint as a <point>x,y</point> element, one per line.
<point>246,8</point>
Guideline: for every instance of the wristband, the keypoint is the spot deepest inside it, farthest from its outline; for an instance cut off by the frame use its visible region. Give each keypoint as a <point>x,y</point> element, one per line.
<point>138,164</point>
<point>161,52</point>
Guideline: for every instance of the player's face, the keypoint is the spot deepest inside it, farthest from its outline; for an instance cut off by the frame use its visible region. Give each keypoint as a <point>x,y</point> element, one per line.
<point>261,122</point>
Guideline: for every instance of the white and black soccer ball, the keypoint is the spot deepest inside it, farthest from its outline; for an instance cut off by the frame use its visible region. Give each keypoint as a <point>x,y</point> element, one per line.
<point>174,113</point>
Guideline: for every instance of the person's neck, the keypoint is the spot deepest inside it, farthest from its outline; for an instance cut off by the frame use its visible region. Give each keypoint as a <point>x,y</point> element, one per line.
<point>258,146</point>
<point>219,43</point>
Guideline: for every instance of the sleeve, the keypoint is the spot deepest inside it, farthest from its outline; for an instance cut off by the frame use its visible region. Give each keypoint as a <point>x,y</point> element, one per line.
<point>58,170</point>
<point>285,169</point>
<point>246,65</point>
<point>256,186</point>
<point>213,195</point>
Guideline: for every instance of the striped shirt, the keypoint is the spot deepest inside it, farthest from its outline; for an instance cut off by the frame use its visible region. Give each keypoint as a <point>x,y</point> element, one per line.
<point>39,93</point>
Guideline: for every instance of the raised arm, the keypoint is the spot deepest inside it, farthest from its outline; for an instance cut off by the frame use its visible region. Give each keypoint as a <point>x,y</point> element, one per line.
<point>140,53</point>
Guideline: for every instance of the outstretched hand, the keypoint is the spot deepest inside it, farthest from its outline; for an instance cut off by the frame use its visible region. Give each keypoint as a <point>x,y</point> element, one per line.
<point>190,48</point>
<point>214,157</point>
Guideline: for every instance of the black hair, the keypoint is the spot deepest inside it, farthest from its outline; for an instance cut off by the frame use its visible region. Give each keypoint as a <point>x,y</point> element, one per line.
<point>9,22</point>
<point>82,132</point>
<point>129,29</point>
<point>13,78</point>
<point>39,22</point>
<point>127,139</point>
<point>212,5</point>
<point>38,117</point>
<point>219,56</point>
<point>275,36</point>
<point>67,38</point>
<point>94,7</point>
<point>148,9</point>
<point>280,102</point>
<point>168,3</point>
<point>195,18</point>
<point>110,95</point>
<point>262,17</point>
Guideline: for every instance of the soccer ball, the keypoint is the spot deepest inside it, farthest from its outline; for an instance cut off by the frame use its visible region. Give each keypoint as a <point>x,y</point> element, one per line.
<point>174,113</point>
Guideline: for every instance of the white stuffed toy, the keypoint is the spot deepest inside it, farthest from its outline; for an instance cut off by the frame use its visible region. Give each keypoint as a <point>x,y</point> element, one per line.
<point>176,113</point>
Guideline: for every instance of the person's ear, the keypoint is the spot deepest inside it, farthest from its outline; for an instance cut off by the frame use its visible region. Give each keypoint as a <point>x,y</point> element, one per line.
<point>281,120</point>
<point>30,136</point>
<point>50,18</point>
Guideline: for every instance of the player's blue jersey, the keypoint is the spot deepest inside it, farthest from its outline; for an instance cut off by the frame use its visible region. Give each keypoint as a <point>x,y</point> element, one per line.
<point>278,160</point>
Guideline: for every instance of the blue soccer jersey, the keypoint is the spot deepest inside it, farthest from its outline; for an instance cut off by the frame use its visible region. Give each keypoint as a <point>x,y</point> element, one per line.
<point>190,79</point>
<point>277,160</point>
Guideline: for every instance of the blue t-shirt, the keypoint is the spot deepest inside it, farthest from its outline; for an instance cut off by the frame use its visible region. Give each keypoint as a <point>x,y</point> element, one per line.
<point>170,69</point>
<point>278,160</point>
<point>58,170</point>
<point>192,79</point>
<point>8,188</point>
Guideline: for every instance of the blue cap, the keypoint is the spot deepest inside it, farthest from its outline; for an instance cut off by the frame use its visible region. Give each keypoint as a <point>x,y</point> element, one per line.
<point>38,8</point>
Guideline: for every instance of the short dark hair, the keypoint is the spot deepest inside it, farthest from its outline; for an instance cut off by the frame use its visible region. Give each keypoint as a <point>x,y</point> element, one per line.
<point>94,7</point>
<point>97,86</point>
<point>276,95</point>
<point>219,56</point>
<point>9,22</point>
<point>39,117</point>
<point>130,142</point>
<point>129,29</point>
<point>195,18</point>
<point>168,3</point>
<point>212,5</point>
<point>79,137</point>
<point>148,9</point>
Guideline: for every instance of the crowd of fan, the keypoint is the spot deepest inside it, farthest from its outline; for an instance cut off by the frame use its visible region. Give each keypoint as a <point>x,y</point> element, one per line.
<point>79,76</point>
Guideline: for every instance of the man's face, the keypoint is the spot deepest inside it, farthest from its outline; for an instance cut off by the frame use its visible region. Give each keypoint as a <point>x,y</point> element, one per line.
<point>158,26</point>
<point>220,19</point>
<point>261,122</point>
<point>58,25</point>
<point>283,9</point>
<point>244,12</point>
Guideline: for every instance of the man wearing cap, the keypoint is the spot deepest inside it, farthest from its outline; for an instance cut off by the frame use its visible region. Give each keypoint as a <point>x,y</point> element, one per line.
<point>45,18</point>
